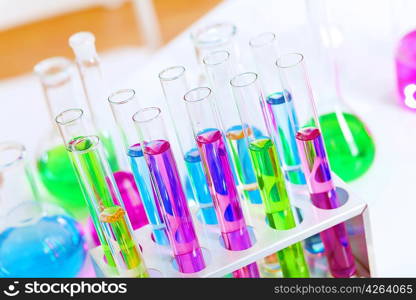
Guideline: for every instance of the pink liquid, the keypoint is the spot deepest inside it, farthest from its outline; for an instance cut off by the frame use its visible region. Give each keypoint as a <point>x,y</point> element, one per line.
<point>405,61</point>
<point>323,195</point>
<point>225,196</point>
<point>180,228</point>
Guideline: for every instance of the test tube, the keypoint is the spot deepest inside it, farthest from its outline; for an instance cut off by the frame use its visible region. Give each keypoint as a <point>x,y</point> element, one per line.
<point>270,178</point>
<point>282,113</point>
<point>100,193</point>
<point>99,184</point>
<point>165,175</point>
<point>212,148</point>
<point>219,72</point>
<point>174,86</point>
<point>315,164</point>
<point>88,64</point>
<point>124,104</point>
<point>218,36</point>
<point>89,67</point>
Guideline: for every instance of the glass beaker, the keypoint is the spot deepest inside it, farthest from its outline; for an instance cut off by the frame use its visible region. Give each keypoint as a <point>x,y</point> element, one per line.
<point>36,240</point>
<point>57,77</point>
<point>350,146</point>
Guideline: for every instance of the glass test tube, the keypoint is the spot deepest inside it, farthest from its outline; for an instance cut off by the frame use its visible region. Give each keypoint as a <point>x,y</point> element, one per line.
<point>213,151</point>
<point>270,178</point>
<point>124,104</point>
<point>219,36</point>
<point>88,63</point>
<point>89,67</point>
<point>219,72</point>
<point>166,178</point>
<point>314,161</point>
<point>174,86</point>
<point>72,125</point>
<point>99,184</point>
<point>282,113</point>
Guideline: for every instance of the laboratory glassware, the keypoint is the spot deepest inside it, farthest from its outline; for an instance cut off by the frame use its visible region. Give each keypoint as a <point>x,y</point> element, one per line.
<point>315,164</point>
<point>219,71</point>
<point>165,176</point>
<point>36,239</point>
<point>251,106</point>
<point>89,67</point>
<point>218,169</point>
<point>174,85</point>
<point>57,76</point>
<point>282,114</point>
<point>124,104</point>
<point>104,200</point>
<point>350,146</point>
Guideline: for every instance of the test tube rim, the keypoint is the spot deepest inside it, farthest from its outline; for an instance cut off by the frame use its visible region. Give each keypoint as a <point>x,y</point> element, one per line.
<point>253,44</point>
<point>43,66</point>
<point>234,79</point>
<point>171,78</point>
<point>75,43</point>
<point>142,110</point>
<point>132,94</point>
<point>209,92</point>
<point>72,120</point>
<point>297,62</point>
<point>20,154</point>
<point>195,34</point>
<point>94,138</point>
<point>227,57</point>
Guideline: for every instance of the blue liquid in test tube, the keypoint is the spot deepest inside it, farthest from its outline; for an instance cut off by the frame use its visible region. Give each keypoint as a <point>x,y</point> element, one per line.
<point>200,187</point>
<point>142,177</point>
<point>283,117</point>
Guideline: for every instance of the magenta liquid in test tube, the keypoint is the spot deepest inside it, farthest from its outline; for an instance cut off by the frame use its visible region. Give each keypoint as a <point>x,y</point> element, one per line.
<point>315,163</point>
<point>221,183</point>
<point>165,175</point>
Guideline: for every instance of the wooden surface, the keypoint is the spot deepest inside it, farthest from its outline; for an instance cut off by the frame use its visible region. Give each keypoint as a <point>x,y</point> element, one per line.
<point>24,46</point>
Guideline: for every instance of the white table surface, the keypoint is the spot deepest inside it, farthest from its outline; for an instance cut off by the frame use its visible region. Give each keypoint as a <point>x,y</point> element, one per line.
<point>367,82</point>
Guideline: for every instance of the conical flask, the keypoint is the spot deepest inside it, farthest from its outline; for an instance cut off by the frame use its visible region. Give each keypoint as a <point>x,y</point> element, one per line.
<point>36,240</point>
<point>350,146</point>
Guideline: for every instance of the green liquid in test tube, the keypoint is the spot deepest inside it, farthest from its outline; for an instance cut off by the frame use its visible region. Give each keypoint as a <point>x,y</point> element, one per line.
<point>115,217</point>
<point>277,205</point>
<point>269,174</point>
<point>94,174</point>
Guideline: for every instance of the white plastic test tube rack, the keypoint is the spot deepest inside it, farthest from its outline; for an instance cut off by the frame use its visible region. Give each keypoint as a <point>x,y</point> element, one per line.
<point>268,241</point>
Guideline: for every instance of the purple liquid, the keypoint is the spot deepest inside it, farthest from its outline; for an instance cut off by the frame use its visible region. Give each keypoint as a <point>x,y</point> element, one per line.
<point>225,196</point>
<point>323,195</point>
<point>182,236</point>
<point>405,60</point>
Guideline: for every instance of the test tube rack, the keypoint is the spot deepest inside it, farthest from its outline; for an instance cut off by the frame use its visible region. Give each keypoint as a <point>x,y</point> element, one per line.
<point>268,241</point>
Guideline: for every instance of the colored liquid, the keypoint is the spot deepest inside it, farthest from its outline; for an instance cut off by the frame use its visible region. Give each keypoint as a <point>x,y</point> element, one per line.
<point>223,188</point>
<point>276,202</point>
<point>350,147</point>
<point>120,229</point>
<point>237,142</point>
<point>200,186</point>
<point>58,177</point>
<point>147,193</point>
<point>225,195</point>
<point>323,195</point>
<point>180,228</point>
<point>94,185</point>
<point>405,60</point>
<point>249,271</point>
<point>284,121</point>
<point>53,246</point>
